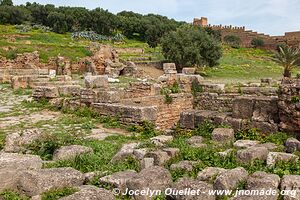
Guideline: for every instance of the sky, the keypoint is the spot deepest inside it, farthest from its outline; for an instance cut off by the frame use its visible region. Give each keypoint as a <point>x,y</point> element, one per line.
<point>274,17</point>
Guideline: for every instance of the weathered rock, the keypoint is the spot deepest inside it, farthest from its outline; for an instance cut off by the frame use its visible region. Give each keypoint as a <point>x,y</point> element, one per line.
<point>125,151</point>
<point>243,107</point>
<point>240,144</point>
<point>270,146</point>
<point>262,180</point>
<point>159,156</point>
<point>140,153</point>
<point>16,161</point>
<point>187,119</point>
<point>119,179</point>
<point>209,173</point>
<point>291,182</point>
<point>11,167</point>
<point>36,182</point>
<point>292,145</point>
<point>189,70</point>
<point>89,192</point>
<point>96,81</point>
<point>70,152</point>
<point>184,165</point>
<point>223,135</point>
<point>90,176</point>
<point>196,185</point>
<point>154,178</point>
<point>252,153</point>
<point>169,68</point>
<point>172,152</point>
<point>229,179</point>
<point>274,157</point>
<point>147,163</point>
<point>161,139</point>
<point>17,142</point>
<point>196,142</point>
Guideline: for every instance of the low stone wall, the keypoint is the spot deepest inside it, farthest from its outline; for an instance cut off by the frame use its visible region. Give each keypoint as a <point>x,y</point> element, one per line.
<point>247,112</point>
<point>214,101</point>
<point>289,106</point>
<point>139,89</point>
<point>152,108</point>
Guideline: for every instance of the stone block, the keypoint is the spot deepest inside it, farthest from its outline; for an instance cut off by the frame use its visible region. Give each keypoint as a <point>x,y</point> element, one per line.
<point>189,70</point>
<point>100,81</point>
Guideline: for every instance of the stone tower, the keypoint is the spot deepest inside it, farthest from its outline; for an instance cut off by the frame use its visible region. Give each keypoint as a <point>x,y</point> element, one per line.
<point>200,22</point>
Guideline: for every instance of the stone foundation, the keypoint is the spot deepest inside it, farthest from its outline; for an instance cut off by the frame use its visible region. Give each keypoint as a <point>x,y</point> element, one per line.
<point>289,106</point>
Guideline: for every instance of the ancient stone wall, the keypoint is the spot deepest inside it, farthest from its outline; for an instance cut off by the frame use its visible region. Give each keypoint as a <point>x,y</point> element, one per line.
<point>246,36</point>
<point>214,101</point>
<point>153,108</point>
<point>289,106</point>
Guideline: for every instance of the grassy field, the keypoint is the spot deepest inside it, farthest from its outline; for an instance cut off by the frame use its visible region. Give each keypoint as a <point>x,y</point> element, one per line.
<point>237,65</point>
<point>245,65</point>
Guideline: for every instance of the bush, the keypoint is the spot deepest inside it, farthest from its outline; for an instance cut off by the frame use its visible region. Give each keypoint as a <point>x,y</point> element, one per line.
<point>233,41</point>
<point>257,42</point>
<point>191,46</point>
<point>248,134</point>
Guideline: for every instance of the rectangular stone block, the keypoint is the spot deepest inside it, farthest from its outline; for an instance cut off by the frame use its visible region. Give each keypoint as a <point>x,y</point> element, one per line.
<point>187,119</point>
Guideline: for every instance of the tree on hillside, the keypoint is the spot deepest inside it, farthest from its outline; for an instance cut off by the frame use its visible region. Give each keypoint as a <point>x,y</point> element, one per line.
<point>233,41</point>
<point>6,3</point>
<point>58,22</point>
<point>14,15</point>
<point>257,42</point>
<point>191,46</point>
<point>288,57</point>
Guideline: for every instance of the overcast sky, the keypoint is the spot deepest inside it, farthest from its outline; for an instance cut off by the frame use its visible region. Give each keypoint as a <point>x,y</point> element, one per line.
<point>268,16</point>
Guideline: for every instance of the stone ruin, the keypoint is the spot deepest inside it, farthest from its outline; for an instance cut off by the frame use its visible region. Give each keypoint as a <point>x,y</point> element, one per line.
<point>254,105</point>
<point>105,61</point>
<point>263,105</point>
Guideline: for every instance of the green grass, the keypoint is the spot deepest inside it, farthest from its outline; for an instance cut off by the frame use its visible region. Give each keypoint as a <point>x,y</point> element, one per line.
<point>10,195</point>
<point>57,194</point>
<point>245,65</point>
<point>100,160</point>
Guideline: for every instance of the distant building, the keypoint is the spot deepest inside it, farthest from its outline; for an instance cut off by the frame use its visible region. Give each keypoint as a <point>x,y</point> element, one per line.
<point>246,36</point>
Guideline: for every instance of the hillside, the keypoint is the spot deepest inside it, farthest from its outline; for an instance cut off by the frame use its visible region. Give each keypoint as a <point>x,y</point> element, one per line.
<point>236,65</point>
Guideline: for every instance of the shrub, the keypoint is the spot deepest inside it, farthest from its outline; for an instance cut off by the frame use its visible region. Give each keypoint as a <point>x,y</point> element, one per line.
<point>257,42</point>
<point>248,134</point>
<point>205,129</point>
<point>196,87</point>
<point>295,99</point>
<point>233,41</point>
<point>191,46</point>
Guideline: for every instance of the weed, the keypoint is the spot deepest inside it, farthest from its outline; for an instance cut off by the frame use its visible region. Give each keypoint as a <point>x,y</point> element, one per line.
<point>295,99</point>
<point>204,129</point>
<point>196,87</point>
<point>145,130</point>
<point>10,195</point>
<point>21,92</point>
<point>248,134</point>
<point>57,194</point>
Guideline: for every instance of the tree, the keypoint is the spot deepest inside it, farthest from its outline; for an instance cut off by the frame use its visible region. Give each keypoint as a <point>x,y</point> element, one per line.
<point>6,3</point>
<point>191,46</point>
<point>233,41</point>
<point>288,57</point>
<point>14,15</point>
<point>58,22</point>
<point>257,42</point>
